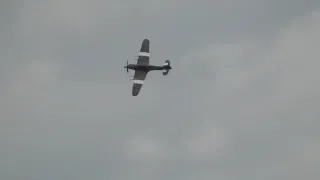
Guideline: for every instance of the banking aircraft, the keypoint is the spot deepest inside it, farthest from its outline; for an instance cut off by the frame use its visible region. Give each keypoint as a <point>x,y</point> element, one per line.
<point>143,67</point>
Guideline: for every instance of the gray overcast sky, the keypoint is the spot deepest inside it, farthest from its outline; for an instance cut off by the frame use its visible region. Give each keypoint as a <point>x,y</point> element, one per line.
<point>241,103</point>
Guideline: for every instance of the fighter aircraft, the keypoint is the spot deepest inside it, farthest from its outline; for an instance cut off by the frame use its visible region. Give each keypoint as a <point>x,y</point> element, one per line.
<point>142,68</point>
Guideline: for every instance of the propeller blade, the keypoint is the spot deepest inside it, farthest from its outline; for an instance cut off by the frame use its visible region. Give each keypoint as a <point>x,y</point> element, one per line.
<point>127,67</point>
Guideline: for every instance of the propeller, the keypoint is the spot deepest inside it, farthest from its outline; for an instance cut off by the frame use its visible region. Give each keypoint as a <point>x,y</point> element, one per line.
<point>127,67</point>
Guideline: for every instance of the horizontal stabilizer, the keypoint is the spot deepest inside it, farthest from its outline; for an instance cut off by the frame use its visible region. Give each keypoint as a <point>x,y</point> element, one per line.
<point>167,67</point>
<point>166,72</point>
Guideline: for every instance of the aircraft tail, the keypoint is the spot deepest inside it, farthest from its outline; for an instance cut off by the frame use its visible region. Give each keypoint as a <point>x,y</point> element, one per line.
<point>167,67</point>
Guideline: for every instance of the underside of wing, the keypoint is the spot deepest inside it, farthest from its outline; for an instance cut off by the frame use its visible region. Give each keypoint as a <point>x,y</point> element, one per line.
<point>144,54</point>
<point>139,77</point>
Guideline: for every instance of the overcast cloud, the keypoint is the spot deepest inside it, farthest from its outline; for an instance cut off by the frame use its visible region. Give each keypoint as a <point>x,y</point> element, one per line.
<point>241,103</point>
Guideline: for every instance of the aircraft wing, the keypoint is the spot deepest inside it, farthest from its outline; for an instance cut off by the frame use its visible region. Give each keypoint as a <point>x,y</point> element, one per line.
<point>144,54</point>
<point>139,77</point>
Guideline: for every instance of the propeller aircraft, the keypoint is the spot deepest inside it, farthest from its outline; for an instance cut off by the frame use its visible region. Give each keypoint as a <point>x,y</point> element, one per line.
<point>142,68</point>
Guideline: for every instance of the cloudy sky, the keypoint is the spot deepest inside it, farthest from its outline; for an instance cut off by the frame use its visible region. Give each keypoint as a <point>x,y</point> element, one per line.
<point>241,103</point>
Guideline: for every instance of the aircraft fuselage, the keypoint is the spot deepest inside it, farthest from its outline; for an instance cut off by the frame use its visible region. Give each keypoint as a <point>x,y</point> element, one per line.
<point>147,68</point>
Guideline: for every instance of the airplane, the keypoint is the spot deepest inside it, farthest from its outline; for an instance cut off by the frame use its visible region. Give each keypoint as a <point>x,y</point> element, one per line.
<point>142,68</point>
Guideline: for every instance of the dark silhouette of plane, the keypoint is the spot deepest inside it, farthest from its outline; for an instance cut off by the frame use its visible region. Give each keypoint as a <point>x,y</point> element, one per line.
<point>142,68</point>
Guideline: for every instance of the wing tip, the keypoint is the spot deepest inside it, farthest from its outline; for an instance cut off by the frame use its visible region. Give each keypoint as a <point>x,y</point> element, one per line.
<point>145,46</point>
<point>136,89</point>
